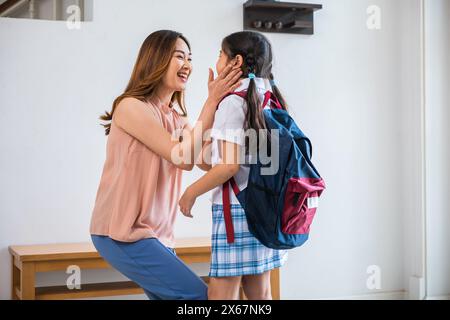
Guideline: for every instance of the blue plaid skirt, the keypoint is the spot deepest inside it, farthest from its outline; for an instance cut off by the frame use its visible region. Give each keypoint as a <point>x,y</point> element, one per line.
<point>246,256</point>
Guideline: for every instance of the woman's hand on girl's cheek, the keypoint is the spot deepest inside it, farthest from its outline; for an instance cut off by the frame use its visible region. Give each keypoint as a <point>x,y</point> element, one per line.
<point>186,203</point>
<point>227,81</point>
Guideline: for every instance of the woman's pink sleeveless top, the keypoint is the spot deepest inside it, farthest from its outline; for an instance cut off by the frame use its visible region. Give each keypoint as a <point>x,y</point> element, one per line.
<point>139,191</point>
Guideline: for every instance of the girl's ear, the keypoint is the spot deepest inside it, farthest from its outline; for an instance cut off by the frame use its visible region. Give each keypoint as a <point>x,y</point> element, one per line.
<point>238,61</point>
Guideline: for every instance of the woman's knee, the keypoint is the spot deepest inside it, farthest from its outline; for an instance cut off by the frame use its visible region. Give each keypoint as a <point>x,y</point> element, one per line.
<point>200,293</point>
<point>185,292</point>
<point>194,289</point>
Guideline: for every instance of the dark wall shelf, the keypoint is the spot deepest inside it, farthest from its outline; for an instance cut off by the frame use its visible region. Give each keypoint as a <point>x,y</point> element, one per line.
<point>280,17</point>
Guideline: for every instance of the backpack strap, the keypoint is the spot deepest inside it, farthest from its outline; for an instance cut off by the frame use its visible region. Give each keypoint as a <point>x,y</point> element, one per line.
<point>268,97</point>
<point>242,94</point>
<point>227,207</point>
<point>226,186</point>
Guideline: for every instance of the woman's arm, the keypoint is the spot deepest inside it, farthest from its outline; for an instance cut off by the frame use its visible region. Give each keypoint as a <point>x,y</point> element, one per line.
<point>136,119</point>
<point>204,158</point>
<point>219,174</point>
<point>203,161</point>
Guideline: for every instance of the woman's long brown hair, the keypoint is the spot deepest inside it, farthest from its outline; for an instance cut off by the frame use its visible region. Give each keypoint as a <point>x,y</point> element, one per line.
<point>151,65</point>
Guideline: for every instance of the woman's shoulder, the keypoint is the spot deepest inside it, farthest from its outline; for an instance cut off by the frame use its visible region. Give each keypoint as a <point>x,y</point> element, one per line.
<point>126,106</point>
<point>131,107</point>
<point>130,102</point>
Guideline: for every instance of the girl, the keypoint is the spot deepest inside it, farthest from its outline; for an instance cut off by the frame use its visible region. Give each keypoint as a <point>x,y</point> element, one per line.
<point>246,260</point>
<point>136,205</point>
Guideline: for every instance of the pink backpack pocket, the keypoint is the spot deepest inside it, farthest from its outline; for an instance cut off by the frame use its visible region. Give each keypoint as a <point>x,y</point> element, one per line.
<point>300,204</point>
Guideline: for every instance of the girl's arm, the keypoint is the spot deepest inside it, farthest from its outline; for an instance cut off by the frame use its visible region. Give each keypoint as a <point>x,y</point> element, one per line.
<point>220,173</point>
<point>136,119</point>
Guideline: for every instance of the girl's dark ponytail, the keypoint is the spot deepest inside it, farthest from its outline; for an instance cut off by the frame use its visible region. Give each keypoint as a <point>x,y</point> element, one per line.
<point>255,116</point>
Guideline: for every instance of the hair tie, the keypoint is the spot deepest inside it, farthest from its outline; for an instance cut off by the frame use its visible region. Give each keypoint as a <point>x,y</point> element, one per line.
<point>251,76</point>
<point>272,83</point>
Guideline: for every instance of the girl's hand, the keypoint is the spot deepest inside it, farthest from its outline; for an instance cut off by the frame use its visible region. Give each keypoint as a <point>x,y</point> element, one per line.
<point>226,82</point>
<point>186,202</point>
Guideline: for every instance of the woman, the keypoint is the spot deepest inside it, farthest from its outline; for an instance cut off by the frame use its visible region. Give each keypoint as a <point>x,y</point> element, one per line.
<point>149,144</point>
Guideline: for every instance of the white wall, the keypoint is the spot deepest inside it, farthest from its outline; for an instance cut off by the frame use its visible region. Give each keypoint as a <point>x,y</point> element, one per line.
<point>44,10</point>
<point>438,147</point>
<point>344,86</point>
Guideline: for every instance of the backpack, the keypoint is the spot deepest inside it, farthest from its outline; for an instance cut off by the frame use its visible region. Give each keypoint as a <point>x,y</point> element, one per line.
<point>279,208</point>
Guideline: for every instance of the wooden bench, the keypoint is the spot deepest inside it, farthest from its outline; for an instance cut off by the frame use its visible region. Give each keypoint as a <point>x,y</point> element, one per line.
<point>30,259</point>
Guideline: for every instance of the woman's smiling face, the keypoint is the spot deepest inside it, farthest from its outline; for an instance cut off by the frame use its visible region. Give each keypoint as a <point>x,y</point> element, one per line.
<point>180,67</point>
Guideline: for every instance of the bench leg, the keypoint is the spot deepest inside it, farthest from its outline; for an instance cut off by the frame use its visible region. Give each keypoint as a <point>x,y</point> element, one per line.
<point>15,282</point>
<point>275,283</point>
<point>27,281</point>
